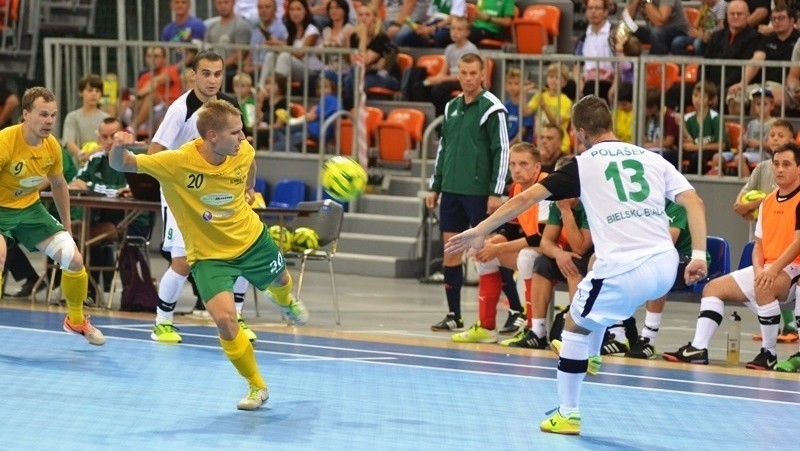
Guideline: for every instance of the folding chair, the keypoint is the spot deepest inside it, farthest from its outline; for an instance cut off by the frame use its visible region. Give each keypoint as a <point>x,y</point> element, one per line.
<point>325,217</point>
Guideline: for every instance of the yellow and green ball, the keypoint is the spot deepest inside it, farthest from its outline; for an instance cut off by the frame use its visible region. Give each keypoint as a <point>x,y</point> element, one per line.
<point>752,196</point>
<point>304,238</point>
<point>282,237</point>
<point>343,178</point>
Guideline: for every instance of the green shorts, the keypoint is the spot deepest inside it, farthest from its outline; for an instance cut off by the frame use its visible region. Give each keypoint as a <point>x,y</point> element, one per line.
<point>29,226</point>
<point>260,265</point>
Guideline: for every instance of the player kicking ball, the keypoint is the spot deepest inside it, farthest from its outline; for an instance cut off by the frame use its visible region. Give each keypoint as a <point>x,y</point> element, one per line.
<point>208,184</point>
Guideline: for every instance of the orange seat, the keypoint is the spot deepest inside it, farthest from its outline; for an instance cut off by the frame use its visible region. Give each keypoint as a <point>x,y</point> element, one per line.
<point>692,15</point>
<point>398,134</point>
<point>691,73</point>
<point>662,76</point>
<point>735,140</point>
<point>404,61</point>
<point>547,15</point>
<point>346,129</point>
<point>433,64</point>
<point>530,35</point>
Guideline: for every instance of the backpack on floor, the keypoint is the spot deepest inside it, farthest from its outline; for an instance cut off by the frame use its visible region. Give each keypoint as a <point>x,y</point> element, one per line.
<point>138,292</point>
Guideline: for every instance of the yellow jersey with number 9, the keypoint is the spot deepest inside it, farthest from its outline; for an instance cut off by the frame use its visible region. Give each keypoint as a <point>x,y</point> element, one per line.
<point>23,168</point>
<point>208,201</point>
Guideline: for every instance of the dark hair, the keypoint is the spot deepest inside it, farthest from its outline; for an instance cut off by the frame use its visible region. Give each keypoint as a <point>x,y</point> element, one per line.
<point>783,123</point>
<point>625,92</point>
<point>342,4</point>
<point>554,127</point>
<point>789,147</point>
<point>279,80</point>
<point>208,55</point>
<point>652,98</point>
<point>308,19</point>
<point>591,113</point>
<point>471,58</point>
<point>112,120</point>
<point>90,81</point>
<point>708,87</point>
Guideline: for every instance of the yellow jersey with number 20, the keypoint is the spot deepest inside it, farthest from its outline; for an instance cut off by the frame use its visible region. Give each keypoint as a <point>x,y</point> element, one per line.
<point>208,201</point>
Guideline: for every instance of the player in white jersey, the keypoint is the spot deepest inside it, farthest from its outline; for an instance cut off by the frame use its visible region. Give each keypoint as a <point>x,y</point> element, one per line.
<point>634,250</point>
<point>179,127</point>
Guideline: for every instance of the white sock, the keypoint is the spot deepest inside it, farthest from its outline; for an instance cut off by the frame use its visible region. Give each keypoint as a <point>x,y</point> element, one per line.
<point>575,347</point>
<point>538,327</point>
<point>706,326</point>
<point>769,318</point>
<point>595,342</point>
<point>652,321</point>
<point>239,292</point>
<point>169,289</point>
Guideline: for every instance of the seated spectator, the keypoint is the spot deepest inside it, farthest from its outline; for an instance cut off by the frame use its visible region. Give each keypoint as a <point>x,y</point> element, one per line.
<point>337,34</point>
<point>660,127</point>
<point>184,28</point>
<point>666,20</point>
<point>228,28</point>
<point>759,15</point>
<point>699,148</point>
<point>438,26</point>
<point>552,106</point>
<point>400,14</point>
<point>777,46</point>
<point>492,21</point>
<point>243,89</point>
<point>755,138</point>
<point>302,33</point>
<point>738,41</point>
<point>321,17</point>
<point>80,126</point>
<point>549,145</point>
<point>519,128</point>
<point>8,104</point>
<point>445,82</point>
<point>157,87</point>
<point>270,31</point>
<point>595,77</point>
<point>711,19</point>
<point>377,54</point>
<point>623,114</point>
<point>309,125</point>
<point>271,100</point>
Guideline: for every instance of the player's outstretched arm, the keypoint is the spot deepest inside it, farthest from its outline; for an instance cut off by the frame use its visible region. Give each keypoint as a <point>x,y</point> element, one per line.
<point>120,158</point>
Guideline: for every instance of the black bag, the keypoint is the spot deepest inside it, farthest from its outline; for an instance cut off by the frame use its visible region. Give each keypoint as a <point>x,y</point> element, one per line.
<point>138,292</point>
<point>411,85</point>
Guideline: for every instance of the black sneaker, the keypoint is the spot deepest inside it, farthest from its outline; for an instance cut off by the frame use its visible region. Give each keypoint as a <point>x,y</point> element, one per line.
<point>525,338</point>
<point>613,347</point>
<point>27,289</point>
<point>558,325</point>
<point>687,354</point>
<point>449,323</point>
<point>641,349</point>
<point>514,323</point>
<point>765,360</point>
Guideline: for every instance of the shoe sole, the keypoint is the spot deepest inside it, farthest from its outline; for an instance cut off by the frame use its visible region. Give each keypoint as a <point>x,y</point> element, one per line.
<point>677,360</point>
<point>68,329</point>
<point>458,329</point>
<point>154,337</point>
<point>487,340</point>
<point>757,367</point>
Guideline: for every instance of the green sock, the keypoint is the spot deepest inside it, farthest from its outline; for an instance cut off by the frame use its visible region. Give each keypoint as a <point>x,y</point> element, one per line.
<point>788,320</point>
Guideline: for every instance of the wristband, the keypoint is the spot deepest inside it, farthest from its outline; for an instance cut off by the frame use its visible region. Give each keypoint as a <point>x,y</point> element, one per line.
<point>698,255</point>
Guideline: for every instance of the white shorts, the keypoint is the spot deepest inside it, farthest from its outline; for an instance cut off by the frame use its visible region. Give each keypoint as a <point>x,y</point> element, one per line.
<point>745,280</point>
<point>599,303</point>
<point>173,239</point>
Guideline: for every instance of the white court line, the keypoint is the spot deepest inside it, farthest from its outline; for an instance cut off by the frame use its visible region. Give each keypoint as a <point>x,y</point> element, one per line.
<point>297,357</point>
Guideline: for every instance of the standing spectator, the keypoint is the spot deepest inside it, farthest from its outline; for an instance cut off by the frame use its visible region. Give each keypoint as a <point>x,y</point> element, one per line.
<point>661,132</point>
<point>185,28</point>
<point>270,31</point>
<point>552,105</point>
<point>445,82</point>
<point>8,104</point>
<point>337,34</point>
<point>777,46</point>
<point>157,87</point>
<point>80,126</point>
<point>470,172</point>
<point>666,20</point>
<point>711,19</point>
<point>303,32</point>
<point>228,28</point>
<point>492,20</point>
<point>596,76</point>
<point>34,151</point>
<point>520,128</point>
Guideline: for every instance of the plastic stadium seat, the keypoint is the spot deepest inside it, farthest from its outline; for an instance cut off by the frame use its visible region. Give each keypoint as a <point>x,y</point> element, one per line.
<point>747,255</point>
<point>547,15</point>
<point>720,251</point>
<point>530,36</point>
<point>433,64</point>
<point>662,76</point>
<point>346,130</point>
<point>691,73</point>
<point>399,133</point>
<point>288,193</point>
<point>404,61</point>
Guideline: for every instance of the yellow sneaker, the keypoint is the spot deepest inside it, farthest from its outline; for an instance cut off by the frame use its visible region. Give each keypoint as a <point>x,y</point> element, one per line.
<point>559,424</point>
<point>245,329</point>
<point>475,334</point>
<point>595,361</point>
<point>165,333</point>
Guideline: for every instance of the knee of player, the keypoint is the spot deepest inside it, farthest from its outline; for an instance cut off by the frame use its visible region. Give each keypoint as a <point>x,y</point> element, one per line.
<point>75,263</point>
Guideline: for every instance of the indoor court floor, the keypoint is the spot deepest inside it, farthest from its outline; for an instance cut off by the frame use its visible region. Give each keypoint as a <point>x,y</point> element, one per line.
<point>381,380</point>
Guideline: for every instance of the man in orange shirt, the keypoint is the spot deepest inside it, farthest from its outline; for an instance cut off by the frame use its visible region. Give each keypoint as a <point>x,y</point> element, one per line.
<point>156,88</point>
<point>776,262</point>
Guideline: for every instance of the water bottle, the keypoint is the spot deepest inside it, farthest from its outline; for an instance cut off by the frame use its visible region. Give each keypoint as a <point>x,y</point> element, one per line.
<point>734,337</point>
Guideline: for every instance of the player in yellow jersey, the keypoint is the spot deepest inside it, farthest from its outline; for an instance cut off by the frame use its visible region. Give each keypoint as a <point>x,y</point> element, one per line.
<point>29,156</point>
<point>208,184</point>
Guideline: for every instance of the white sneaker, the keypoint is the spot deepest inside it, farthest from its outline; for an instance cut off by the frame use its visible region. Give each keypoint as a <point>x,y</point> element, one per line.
<point>295,312</point>
<point>89,332</point>
<point>255,398</point>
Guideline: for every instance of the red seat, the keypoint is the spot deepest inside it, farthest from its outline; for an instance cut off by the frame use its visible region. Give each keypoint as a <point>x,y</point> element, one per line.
<point>662,76</point>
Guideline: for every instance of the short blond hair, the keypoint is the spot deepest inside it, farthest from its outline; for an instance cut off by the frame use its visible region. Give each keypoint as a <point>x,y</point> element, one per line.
<point>558,67</point>
<point>242,77</point>
<point>214,115</point>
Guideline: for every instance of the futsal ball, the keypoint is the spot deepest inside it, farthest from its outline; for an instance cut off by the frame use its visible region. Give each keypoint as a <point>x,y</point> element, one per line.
<point>90,146</point>
<point>282,237</point>
<point>343,178</point>
<point>751,196</point>
<point>304,238</point>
